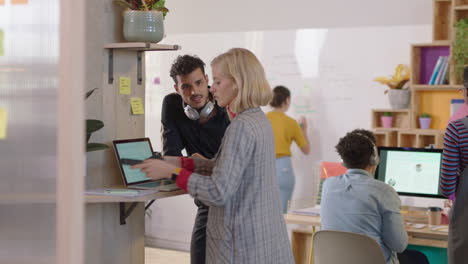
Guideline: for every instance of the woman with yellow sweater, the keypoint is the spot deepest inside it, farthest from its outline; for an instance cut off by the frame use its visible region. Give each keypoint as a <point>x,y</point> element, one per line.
<point>286,130</point>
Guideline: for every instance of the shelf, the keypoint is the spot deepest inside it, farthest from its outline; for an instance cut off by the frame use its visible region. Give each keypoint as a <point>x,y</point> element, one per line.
<point>442,17</point>
<point>424,58</point>
<point>426,87</point>
<point>462,7</point>
<point>385,138</point>
<point>437,43</point>
<point>392,129</point>
<point>140,47</point>
<point>401,118</point>
<point>392,110</point>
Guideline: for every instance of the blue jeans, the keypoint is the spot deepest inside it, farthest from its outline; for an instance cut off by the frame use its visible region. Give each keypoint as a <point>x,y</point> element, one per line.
<point>286,180</point>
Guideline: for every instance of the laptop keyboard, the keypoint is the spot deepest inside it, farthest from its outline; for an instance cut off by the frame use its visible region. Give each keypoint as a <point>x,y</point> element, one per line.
<point>152,184</point>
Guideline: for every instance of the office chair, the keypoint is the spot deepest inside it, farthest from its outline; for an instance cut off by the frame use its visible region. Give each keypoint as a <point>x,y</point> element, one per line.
<point>332,247</point>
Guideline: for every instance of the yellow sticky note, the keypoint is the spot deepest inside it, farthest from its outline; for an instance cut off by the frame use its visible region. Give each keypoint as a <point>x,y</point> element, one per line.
<point>3,123</point>
<point>137,106</point>
<point>125,85</point>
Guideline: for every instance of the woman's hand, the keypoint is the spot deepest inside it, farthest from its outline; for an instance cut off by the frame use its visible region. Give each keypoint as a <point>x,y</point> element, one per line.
<point>303,123</point>
<point>156,169</point>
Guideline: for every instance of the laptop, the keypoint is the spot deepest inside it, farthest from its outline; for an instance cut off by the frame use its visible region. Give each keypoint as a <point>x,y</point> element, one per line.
<point>133,151</point>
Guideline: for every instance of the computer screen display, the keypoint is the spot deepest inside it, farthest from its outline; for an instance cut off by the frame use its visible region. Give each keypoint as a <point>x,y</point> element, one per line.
<point>136,149</point>
<point>411,171</point>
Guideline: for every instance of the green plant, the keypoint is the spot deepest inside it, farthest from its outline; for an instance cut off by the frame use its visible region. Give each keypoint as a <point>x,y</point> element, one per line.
<point>93,125</point>
<point>387,114</point>
<point>460,48</point>
<point>144,5</point>
<point>425,115</point>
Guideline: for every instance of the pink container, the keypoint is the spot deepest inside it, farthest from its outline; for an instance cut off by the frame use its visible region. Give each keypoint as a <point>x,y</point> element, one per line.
<point>425,122</point>
<point>386,121</point>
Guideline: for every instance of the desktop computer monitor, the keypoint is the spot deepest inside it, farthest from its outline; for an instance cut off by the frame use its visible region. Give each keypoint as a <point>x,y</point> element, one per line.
<point>411,171</point>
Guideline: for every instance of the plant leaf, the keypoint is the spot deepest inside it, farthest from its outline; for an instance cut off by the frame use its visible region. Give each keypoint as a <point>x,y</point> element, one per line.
<point>93,125</point>
<point>123,3</point>
<point>95,147</point>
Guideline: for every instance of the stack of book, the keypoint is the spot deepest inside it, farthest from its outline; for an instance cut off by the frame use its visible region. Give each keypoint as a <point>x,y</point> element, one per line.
<point>439,74</point>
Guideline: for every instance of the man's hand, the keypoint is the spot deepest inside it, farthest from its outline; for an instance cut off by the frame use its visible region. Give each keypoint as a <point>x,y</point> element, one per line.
<point>197,155</point>
<point>156,169</point>
<point>174,160</point>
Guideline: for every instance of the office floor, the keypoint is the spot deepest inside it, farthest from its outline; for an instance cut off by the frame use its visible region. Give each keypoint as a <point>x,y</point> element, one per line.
<point>159,256</point>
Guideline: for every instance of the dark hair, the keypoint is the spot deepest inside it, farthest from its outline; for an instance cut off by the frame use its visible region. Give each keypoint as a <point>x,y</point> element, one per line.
<point>186,64</point>
<point>280,95</point>
<point>356,148</point>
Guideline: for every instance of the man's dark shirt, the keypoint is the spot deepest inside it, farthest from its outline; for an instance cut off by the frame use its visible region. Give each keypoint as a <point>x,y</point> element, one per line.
<point>180,132</point>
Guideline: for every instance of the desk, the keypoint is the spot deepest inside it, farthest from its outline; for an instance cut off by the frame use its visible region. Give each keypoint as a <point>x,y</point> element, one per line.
<point>301,239</point>
<point>107,239</point>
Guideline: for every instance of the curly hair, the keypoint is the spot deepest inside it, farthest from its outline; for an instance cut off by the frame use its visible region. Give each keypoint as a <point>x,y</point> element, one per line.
<point>280,95</point>
<point>356,148</point>
<point>186,64</point>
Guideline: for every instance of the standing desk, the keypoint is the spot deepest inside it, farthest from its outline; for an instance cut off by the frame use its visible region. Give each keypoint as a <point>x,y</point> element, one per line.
<point>115,227</point>
<point>301,239</point>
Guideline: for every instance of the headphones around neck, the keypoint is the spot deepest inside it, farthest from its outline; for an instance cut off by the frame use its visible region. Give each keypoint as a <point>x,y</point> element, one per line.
<point>193,113</point>
<point>374,158</point>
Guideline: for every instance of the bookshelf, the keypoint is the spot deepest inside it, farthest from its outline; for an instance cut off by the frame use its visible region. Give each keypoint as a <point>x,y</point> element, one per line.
<point>426,98</point>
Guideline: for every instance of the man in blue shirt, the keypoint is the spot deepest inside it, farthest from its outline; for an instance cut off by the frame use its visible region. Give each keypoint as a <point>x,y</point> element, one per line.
<point>356,202</point>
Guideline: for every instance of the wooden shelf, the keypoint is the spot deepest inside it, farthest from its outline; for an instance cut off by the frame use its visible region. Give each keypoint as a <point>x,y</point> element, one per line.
<point>391,110</point>
<point>401,118</point>
<point>427,87</point>
<point>385,138</point>
<point>461,7</point>
<point>442,21</point>
<point>116,198</point>
<point>141,46</point>
<point>437,43</point>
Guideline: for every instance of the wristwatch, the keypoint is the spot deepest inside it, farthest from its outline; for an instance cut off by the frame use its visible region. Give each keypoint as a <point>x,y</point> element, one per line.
<point>175,173</point>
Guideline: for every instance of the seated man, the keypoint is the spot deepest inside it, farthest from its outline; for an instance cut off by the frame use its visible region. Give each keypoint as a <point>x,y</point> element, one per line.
<point>356,202</point>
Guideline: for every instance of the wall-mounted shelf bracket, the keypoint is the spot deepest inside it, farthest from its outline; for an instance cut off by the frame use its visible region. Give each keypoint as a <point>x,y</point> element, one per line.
<point>136,46</point>
<point>124,213</point>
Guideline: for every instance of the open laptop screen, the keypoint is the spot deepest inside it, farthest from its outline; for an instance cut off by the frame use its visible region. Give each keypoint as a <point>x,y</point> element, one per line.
<point>138,149</point>
<point>411,171</point>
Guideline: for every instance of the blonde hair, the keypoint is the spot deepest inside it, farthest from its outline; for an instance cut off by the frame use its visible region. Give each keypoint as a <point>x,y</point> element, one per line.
<point>248,74</point>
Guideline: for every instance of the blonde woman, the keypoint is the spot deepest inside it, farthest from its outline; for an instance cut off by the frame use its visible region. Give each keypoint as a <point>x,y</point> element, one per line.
<point>286,130</point>
<point>245,223</point>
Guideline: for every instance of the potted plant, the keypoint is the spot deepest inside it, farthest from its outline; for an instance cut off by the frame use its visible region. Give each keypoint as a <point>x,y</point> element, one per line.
<point>460,49</point>
<point>425,121</point>
<point>386,119</point>
<point>143,20</point>
<point>398,94</point>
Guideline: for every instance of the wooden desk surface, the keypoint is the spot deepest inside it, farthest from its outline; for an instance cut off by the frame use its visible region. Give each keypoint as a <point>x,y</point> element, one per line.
<point>417,236</point>
<point>116,198</point>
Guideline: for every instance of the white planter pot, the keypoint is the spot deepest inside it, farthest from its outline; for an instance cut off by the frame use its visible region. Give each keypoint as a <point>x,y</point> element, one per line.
<point>399,99</point>
<point>143,26</point>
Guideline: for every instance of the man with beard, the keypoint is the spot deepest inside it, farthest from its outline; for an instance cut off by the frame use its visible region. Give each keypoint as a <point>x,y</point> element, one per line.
<point>191,120</point>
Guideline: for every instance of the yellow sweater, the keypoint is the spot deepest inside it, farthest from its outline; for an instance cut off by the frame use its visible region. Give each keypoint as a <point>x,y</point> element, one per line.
<point>286,130</point>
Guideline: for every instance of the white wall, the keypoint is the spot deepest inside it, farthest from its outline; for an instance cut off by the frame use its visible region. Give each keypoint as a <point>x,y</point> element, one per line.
<point>247,15</point>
